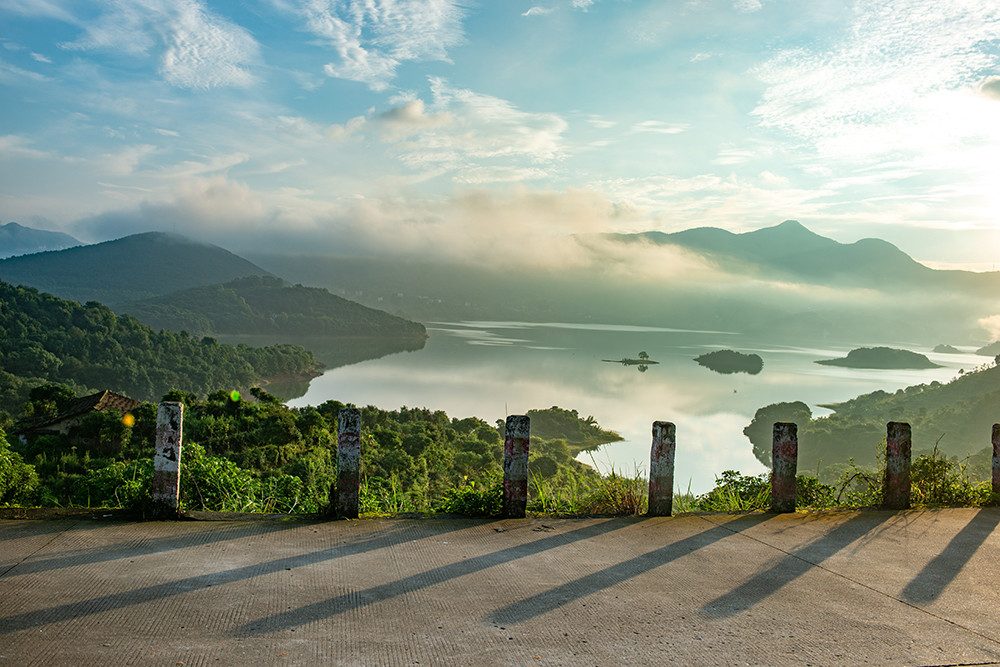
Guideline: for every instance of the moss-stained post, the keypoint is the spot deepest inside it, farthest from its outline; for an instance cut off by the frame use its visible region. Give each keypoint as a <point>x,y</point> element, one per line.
<point>996,459</point>
<point>515,466</point>
<point>661,469</point>
<point>784,466</point>
<point>348,462</point>
<point>896,493</point>
<point>167,461</point>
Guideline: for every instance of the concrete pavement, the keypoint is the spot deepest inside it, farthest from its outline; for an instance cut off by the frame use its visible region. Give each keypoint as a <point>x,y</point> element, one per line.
<point>884,588</point>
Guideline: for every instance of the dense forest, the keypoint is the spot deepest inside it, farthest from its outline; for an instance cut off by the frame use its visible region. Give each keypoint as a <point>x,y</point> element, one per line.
<point>264,305</point>
<point>955,417</point>
<point>88,347</point>
<point>253,453</point>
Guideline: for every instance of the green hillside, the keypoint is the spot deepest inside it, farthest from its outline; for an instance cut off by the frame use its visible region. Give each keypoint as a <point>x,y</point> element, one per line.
<point>88,347</point>
<point>956,416</point>
<point>267,306</point>
<point>127,269</point>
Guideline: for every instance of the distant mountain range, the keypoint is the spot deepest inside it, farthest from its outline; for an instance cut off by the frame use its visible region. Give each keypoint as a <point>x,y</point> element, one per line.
<point>17,239</point>
<point>781,283</point>
<point>790,249</point>
<point>127,269</point>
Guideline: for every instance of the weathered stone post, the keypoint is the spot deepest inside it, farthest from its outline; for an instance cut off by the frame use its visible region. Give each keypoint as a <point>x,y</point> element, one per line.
<point>167,461</point>
<point>784,466</point>
<point>515,466</point>
<point>996,459</point>
<point>661,469</point>
<point>896,490</point>
<point>348,463</point>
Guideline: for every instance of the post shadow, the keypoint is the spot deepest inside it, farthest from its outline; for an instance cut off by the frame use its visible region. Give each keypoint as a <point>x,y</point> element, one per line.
<point>552,599</point>
<point>121,600</point>
<point>135,549</point>
<point>353,600</point>
<point>931,581</point>
<point>791,567</point>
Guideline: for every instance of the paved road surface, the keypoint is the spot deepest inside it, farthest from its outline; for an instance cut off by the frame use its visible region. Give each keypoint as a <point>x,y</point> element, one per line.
<point>884,588</point>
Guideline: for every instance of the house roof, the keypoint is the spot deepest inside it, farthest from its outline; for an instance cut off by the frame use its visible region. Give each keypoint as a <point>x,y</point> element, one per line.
<point>101,401</point>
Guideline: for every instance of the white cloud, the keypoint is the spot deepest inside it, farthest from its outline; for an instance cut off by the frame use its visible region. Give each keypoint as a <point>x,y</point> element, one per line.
<point>196,47</point>
<point>469,133</point>
<point>40,58</point>
<point>863,95</point>
<point>538,11</point>
<point>659,127</point>
<point>582,4</point>
<point>990,87</point>
<point>748,5</point>
<point>12,74</point>
<point>205,51</point>
<point>373,38</point>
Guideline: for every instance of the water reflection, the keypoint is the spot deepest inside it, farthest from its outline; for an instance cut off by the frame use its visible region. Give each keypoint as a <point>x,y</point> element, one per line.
<point>491,370</point>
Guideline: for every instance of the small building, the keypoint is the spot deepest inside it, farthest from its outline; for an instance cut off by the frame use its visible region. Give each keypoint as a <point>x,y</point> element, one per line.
<point>68,421</point>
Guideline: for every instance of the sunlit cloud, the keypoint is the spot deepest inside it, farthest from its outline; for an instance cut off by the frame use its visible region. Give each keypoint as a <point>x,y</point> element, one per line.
<point>196,48</point>
<point>373,39</point>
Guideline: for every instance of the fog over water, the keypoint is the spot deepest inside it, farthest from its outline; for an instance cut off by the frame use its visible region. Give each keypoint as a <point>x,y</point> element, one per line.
<point>492,369</point>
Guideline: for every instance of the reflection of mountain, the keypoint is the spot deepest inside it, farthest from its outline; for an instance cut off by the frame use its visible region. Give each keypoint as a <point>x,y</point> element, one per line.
<point>782,283</point>
<point>331,352</point>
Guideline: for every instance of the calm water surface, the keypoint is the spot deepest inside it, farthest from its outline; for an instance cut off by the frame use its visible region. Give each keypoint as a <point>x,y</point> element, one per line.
<point>492,369</point>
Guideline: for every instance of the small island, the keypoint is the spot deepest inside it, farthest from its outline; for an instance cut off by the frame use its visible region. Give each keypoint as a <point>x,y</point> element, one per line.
<point>946,349</point>
<point>730,361</point>
<point>885,358</point>
<point>643,362</point>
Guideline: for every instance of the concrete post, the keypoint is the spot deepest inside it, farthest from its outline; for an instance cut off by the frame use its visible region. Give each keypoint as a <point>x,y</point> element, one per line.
<point>661,469</point>
<point>348,463</point>
<point>996,459</point>
<point>896,493</point>
<point>515,466</point>
<point>167,461</point>
<point>784,466</point>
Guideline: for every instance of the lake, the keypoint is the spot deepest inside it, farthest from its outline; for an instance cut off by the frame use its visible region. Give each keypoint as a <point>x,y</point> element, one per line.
<point>493,369</point>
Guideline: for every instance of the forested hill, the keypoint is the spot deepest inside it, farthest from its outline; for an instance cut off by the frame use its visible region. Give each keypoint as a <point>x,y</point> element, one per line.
<point>48,339</point>
<point>956,416</point>
<point>266,305</point>
<point>127,269</point>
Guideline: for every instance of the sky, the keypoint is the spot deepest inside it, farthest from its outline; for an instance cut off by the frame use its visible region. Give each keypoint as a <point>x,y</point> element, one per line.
<point>436,127</point>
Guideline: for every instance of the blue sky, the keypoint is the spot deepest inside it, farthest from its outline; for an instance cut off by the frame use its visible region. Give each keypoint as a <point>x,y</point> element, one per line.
<point>445,127</point>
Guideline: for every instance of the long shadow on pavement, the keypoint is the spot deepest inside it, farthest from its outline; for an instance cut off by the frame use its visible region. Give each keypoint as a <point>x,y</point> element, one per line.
<point>793,566</point>
<point>552,599</point>
<point>83,608</point>
<point>141,547</point>
<point>357,599</point>
<point>931,581</point>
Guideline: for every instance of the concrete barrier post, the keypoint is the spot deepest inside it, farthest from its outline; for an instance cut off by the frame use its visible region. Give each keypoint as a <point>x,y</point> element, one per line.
<point>784,466</point>
<point>348,463</point>
<point>896,490</point>
<point>996,459</point>
<point>166,485</point>
<point>661,469</point>
<point>515,466</point>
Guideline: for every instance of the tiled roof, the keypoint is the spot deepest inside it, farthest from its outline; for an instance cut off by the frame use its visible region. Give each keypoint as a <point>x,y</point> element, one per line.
<point>105,400</point>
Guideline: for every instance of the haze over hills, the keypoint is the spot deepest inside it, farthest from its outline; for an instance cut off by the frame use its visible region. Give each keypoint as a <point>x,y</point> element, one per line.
<point>267,306</point>
<point>127,269</point>
<point>793,250</point>
<point>17,239</point>
<point>783,283</point>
